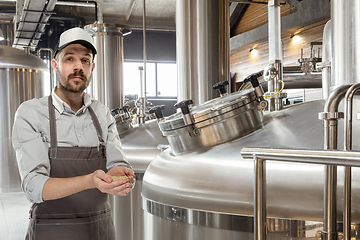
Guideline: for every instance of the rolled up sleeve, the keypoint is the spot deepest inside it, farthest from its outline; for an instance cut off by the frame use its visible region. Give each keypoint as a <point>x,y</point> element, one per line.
<point>31,154</point>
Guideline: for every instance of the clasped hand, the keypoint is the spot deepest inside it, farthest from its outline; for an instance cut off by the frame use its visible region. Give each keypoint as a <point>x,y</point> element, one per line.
<point>105,183</point>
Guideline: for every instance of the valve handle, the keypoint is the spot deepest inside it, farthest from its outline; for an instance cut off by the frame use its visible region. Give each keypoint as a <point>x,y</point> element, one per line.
<point>116,111</point>
<point>253,79</point>
<point>158,110</point>
<point>125,108</point>
<point>221,87</point>
<point>184,106</point>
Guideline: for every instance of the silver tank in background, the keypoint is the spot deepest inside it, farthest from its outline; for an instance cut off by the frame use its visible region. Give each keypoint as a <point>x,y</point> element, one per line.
<point>107,84</point>
<point>141,144</point>
<point>22,77</point>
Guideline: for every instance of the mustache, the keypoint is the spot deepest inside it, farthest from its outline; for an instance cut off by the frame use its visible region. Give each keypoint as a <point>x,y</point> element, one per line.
<point>77,74</point>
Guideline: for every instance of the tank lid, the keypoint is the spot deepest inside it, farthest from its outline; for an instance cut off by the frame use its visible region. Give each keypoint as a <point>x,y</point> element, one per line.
<point>216,110</point>
<point>15,58</point>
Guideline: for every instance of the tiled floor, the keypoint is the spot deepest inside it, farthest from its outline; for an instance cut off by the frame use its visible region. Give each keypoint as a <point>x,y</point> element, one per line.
<point>14,216</point>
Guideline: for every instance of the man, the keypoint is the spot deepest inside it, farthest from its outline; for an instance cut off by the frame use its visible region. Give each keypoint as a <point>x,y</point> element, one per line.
<point>68,151</point>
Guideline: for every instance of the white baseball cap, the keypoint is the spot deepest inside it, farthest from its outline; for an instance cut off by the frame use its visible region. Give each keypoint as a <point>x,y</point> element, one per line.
<point>76,36</point>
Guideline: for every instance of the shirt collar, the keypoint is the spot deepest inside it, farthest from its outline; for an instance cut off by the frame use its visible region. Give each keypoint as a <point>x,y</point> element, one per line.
<point>62,106</point>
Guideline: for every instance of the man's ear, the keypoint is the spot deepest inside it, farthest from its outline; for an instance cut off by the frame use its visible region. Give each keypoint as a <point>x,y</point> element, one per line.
<point>93,67</point>
<point>54,64</point>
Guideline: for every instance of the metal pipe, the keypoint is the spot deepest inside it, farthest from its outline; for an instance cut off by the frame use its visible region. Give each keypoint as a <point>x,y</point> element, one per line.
<point>346,159</point>
<point>330,142</point>
<point>131,8</point>
<point>324,157</point>
<point>259,199</point>
<point>145,57</point>
<point>325,65</point>
<point>348,146</point>
<point>97,5</point>
<point>52,84</point>
<point>275,56</point>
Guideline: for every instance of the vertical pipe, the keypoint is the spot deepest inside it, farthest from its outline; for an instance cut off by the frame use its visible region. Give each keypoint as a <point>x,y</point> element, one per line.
<point>275,54</point>
<point>145,56</point>
<point>330,142</point>
<point>274,19</point>
<point>346,31</point>
<point>330,232</point>
<point>348,146</point>
<point>202,43</point>
<point>186,48</point>
<point>347,204</point>
<point>213,43</point>
<point>259,199</point>
<point>326,60</point>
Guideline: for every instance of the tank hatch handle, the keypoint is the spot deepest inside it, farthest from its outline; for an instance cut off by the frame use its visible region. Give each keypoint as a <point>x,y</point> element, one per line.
<point>221,87</point>
<point>158,111</point>
<point>187,117</point>
<point>125,109</point>
<point>259,91</point>
<point>115,111</point>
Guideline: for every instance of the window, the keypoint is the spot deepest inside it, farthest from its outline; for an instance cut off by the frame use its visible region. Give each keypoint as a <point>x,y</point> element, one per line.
<point>161,79</point>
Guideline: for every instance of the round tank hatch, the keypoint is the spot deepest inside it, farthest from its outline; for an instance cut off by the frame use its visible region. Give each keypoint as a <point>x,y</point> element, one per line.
<point>213,122</point>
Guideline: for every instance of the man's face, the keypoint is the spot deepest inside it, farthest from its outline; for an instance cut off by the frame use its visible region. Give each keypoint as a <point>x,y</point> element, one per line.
<point>74,66</point>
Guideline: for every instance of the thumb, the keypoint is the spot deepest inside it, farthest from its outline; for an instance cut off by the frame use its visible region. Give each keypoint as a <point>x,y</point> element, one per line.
<point>104,176</point>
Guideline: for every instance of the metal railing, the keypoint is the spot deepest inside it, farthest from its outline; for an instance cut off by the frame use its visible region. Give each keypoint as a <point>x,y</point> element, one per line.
<point>261,155</point>
<point>331,159</point>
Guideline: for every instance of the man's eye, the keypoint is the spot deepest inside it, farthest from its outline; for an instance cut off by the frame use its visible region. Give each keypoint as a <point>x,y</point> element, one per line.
<point>86,61</point>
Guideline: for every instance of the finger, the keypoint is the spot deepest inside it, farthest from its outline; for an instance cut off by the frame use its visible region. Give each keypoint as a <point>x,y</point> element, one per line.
<point>122,190</point>
<point>129,172</point>
<point>103,176</point>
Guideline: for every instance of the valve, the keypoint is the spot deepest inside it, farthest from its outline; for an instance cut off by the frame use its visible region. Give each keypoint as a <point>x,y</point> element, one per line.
<point>115,111</point>
<point>187,117</point>
<point>184,106</point>
<point>125,108</point>
<point>221,86</point>
<point>158,111</point>
<point>253,79</point>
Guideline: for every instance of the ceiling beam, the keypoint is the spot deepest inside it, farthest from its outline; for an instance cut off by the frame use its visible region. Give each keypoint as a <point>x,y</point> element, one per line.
<point>131,8</point>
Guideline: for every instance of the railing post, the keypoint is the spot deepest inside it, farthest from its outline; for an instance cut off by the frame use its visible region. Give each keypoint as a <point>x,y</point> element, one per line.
<point>259,199</point>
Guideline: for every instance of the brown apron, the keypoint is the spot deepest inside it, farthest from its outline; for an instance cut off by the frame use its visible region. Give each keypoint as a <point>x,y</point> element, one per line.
<point>82,216</point>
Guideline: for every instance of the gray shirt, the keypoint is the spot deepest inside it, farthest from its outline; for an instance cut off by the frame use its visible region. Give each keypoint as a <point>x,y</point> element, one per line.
<point>31,138</point>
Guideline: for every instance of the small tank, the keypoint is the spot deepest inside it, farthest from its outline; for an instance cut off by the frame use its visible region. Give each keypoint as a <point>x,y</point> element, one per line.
<point>23,77</point>
<point>141,144</point>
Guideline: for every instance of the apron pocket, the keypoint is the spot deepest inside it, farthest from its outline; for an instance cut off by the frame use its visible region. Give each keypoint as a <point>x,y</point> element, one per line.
<point>98,227</point>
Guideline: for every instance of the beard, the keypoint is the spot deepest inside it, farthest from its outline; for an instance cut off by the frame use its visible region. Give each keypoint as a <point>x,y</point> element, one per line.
<point>65,84</point>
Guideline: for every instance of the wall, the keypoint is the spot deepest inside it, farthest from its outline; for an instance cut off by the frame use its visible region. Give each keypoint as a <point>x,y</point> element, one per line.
<point>243,62</point>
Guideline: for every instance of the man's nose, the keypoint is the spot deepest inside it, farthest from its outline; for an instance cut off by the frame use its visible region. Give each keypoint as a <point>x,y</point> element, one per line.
<point>78,66</point>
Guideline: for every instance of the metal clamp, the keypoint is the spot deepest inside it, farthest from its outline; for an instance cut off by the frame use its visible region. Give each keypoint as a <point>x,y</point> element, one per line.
<point>188,117</point>
<point>331,115</point>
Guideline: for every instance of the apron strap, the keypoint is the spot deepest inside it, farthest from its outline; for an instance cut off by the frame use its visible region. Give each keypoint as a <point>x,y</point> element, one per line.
<point>97,125</point>
<point>53,133</point>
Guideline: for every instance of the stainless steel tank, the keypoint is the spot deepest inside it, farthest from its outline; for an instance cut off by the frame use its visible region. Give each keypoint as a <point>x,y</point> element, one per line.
<point>141,143</point>
<point>107,84</point>
<point>23,77</point>
<point>207,193</point>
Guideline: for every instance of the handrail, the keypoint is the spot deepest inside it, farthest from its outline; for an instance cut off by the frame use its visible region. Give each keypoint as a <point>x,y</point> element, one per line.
<point>260,155</point>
